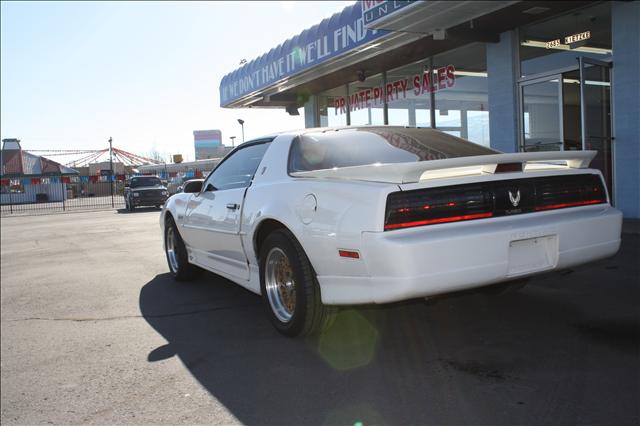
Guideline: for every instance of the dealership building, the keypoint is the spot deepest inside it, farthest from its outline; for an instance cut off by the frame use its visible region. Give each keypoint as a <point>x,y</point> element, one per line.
<point>512,75</point>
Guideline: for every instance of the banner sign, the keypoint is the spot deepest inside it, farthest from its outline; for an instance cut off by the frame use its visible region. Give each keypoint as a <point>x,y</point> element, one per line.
<point>418,85</point>
<point>334,36</point>
<point>375,10</point>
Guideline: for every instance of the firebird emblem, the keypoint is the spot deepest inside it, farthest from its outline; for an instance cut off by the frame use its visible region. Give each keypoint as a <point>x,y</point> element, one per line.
<point>515,200</point>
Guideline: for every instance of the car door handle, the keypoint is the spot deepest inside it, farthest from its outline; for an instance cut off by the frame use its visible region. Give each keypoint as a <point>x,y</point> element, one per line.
<point>233,206</point>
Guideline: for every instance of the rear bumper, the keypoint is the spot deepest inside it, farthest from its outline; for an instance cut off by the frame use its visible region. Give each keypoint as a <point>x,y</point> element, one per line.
<point>436,259</point>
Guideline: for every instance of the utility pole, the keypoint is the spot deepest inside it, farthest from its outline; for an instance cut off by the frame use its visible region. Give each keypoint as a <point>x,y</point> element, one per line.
<point>111,169</point>
<point>233,140</point>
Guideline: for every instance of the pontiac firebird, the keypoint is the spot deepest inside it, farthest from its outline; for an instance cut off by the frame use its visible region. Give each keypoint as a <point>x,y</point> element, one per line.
<point>324,217</point>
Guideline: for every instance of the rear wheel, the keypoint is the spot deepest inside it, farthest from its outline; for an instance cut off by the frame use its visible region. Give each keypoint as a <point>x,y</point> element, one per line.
<point>289,287</point>
<point>176,252</point>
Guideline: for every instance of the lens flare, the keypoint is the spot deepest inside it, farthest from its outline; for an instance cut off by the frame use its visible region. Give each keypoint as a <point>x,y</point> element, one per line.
<point>350,342</point>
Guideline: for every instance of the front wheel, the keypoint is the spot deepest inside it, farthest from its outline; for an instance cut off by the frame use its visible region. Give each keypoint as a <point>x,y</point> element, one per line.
<point>289,287</point>
<point>176,253</point>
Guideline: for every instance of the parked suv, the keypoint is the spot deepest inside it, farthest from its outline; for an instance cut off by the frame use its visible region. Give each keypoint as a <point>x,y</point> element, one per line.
<point>144,191</point>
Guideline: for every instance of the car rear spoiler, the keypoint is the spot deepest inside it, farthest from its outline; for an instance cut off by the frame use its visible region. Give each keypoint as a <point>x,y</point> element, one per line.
<point>400,173</point>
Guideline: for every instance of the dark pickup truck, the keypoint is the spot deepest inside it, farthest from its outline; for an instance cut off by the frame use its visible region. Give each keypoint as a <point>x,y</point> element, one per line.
<point>144,191</point>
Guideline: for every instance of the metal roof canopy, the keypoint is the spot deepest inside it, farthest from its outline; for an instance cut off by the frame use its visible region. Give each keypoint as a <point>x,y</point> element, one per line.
<point>342,33</point>
<point>456,22</point>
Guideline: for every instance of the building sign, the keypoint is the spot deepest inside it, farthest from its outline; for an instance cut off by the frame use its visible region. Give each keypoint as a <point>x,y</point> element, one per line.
<point>553,43</point>
<point>332,37</point>
<point>207,143</point>
<point>375,10</point>
<point>577,37</point>
<point>571,39</point>
<point>418,85</point>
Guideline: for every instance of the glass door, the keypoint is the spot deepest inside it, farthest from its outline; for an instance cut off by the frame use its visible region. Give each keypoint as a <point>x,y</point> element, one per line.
<point>570,109</point>
<point>541,111</point>
<point>595,92</point>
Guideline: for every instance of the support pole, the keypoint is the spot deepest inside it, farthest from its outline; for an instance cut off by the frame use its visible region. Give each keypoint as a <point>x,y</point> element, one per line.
<point>10,201</point>
<point>64,192</point>
<point>111,170</point>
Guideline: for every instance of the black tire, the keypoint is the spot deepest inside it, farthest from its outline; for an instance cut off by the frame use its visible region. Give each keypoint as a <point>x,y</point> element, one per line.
<point>184,271</point>
<point>310,315</point>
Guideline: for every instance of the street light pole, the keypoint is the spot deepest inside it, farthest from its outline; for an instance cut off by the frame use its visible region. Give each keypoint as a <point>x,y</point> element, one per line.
<point>111,169</point>
<point>241,121</point>
<point>233,141</point>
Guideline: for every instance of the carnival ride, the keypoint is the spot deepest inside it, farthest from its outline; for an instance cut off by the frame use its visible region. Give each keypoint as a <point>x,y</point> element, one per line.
<point>84,157</point>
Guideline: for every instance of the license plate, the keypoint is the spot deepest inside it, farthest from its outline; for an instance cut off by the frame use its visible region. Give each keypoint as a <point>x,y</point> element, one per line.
<point>533,254</point>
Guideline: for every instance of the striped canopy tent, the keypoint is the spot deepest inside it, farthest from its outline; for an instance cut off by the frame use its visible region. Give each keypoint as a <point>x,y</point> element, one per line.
<point>18,163</point>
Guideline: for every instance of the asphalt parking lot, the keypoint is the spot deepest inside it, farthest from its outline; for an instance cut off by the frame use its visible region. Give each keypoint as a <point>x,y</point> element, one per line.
<point>95,331</point>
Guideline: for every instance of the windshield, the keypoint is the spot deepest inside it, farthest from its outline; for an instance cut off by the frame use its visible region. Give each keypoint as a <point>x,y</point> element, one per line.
<point>138,182</point>
<point>371,145</point>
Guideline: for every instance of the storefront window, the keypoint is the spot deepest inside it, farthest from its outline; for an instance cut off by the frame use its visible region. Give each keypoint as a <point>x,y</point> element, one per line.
<point>457,86</point>
<point>409,105</point>
<point>459,81</point>
<point>557,42</point>
<point>366,101</point>
<point>331,115</point>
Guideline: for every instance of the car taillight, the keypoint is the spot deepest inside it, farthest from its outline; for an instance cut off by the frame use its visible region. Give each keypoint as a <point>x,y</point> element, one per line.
<point>438,205</point>
<point>580,190</point>
<point>430,206</point>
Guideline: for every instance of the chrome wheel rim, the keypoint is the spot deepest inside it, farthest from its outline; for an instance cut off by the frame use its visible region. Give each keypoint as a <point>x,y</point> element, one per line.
<point>171,249</point>
<point>280,285</point>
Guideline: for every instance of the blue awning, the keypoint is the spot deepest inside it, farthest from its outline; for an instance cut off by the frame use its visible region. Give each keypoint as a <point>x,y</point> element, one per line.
<point>331,38</point>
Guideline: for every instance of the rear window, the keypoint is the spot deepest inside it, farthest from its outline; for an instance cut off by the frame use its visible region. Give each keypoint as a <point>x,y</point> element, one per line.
<point>145,181</point>
<point>371,145</point>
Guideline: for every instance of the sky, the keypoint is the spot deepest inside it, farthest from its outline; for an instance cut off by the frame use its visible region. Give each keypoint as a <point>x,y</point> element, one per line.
<point>147,74</point>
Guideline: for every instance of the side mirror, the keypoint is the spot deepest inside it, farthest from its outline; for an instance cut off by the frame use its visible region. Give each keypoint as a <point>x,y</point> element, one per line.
<point>192,187</point>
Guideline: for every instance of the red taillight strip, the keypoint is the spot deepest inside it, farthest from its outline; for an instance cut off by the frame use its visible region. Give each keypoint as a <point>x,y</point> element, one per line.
<point>564,205</point>
<point>441,220</point>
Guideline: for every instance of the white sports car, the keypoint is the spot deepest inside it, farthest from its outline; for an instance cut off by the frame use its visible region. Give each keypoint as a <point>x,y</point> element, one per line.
<point>325,217</point>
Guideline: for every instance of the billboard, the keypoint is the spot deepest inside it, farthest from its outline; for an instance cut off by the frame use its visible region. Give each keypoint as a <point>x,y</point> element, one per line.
<point>207,143</point>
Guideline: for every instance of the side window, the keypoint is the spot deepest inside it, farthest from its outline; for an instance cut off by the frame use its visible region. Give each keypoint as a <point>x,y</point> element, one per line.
<point>238,169</point>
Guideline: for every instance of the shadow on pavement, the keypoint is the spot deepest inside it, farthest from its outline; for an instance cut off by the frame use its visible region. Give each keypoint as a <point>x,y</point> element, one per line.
<point>139,210</point>
<point>547,354</point>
